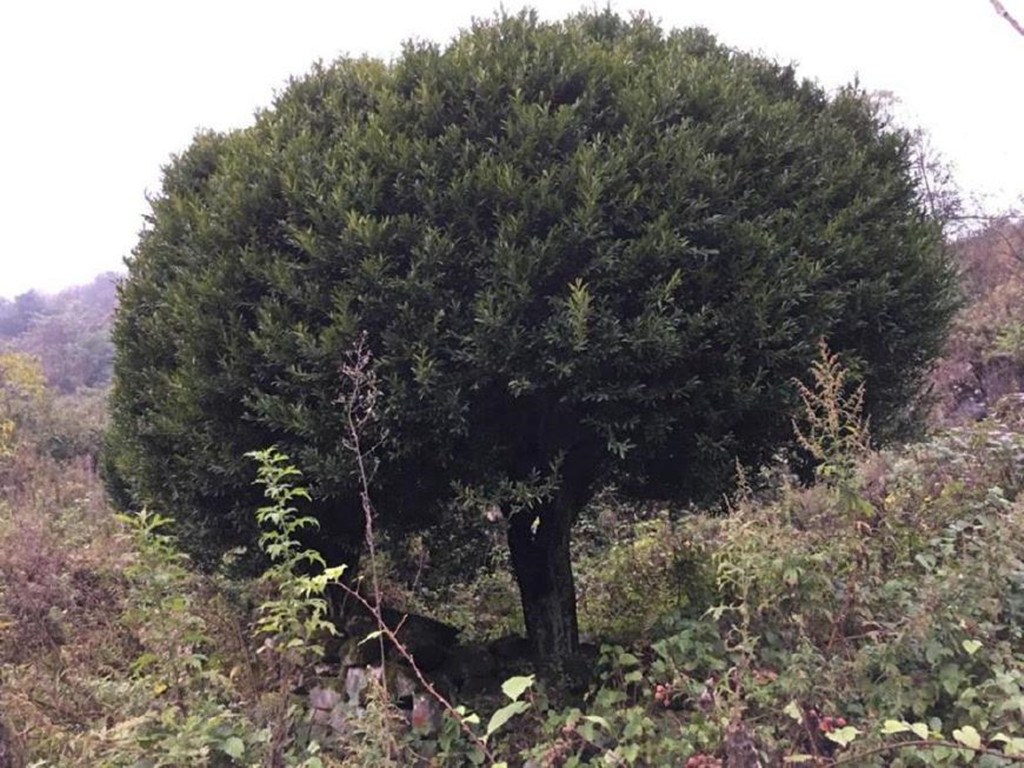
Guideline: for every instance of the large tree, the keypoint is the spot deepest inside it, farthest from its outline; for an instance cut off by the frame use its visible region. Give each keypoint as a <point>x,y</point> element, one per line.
<point>581,252</point>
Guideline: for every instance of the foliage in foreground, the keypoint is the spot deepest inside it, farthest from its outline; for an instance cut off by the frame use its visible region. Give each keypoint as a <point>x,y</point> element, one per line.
<point>874,618</point>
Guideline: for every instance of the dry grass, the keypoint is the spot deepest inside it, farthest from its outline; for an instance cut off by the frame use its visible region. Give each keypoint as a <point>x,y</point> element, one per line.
<point>62,558</point>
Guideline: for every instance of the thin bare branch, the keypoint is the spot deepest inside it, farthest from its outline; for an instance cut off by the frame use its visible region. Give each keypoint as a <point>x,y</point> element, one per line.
<point>403,651</point>
<point>361,412</point>
<point>1001,10</point>
<point>856,758</point>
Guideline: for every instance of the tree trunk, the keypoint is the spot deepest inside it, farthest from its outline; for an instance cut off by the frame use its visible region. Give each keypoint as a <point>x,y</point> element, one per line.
<point>539,543</point>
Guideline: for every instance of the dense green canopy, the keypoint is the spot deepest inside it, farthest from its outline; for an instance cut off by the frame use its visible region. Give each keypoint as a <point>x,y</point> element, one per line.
<point>582,252</point>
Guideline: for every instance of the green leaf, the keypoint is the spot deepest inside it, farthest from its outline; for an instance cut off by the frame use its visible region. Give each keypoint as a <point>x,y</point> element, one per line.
<point>934,651</point>
<point>843,736</point>
<point>515,687</point>
<point>951,676</point>
<point>944,753</point>
<point>372,636</point>
<point>233,747</point>
<point>143,661</point>
<point>895,726</point>
<point>971,646</point>
<point>630,752</point>
<point>1014,745</point>
<point>793,710</point>
<point>598,720</point>
<point>798,759</point>
<point>968,736</point>
<point>920,730</point>
<point>505,714</point>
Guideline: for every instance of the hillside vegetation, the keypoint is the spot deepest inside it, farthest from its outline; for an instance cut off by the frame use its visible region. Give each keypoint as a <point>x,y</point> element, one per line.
<point>69,332</point>
<point>576,393</point>
<point>870,618</point>
<point>984,358</point>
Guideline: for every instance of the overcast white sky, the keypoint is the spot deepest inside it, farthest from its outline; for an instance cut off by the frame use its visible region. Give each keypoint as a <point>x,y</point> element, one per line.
<point>97,95</point>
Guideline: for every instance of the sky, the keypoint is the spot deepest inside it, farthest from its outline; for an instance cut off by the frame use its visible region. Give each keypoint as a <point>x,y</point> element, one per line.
<point>97,96</point>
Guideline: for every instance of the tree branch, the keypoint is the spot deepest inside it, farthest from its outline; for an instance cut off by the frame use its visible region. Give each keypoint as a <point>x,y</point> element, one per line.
<point>360,412</point>
<point>856,757</point>
<point>403,651</point>
<point>1001,10</point>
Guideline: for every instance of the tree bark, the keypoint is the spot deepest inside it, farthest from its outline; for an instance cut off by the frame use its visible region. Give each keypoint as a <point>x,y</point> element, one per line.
<point>538,540</point>
<point>1001,10</point>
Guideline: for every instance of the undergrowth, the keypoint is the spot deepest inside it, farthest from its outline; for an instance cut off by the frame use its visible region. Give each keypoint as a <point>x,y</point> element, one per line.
<point>873,618</point>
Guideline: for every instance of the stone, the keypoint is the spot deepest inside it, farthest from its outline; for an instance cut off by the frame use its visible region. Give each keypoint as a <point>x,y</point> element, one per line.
<point>356,680</point>
<point>470,668</point>
<point>425,717</point>
<point>427,640</point>
<point>402,683</point>
<point>324,699</point>
<point>338,721</point>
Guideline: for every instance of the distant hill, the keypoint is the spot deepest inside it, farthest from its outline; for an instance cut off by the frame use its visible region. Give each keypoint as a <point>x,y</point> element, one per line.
<point>68,331</point>
<point>984,358</point>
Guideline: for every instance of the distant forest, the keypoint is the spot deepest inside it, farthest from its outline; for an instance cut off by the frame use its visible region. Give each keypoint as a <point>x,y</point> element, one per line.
<point>68,331</point>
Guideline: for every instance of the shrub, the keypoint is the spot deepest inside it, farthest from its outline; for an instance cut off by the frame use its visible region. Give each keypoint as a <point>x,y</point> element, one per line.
<point>653,577</point>
<point>23,398</point>
<point>581,252</point>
